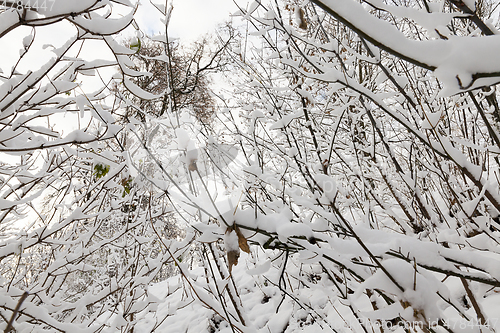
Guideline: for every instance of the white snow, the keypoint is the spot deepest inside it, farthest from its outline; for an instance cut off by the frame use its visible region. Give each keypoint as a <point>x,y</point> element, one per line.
<point>231,241</point>
<point>455,59</point>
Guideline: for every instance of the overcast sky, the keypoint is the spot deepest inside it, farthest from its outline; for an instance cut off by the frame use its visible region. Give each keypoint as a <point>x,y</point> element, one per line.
<point>190,18</point>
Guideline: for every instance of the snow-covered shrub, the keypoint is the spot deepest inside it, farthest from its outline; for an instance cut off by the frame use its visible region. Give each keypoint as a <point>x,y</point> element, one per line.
<point>369,193</point>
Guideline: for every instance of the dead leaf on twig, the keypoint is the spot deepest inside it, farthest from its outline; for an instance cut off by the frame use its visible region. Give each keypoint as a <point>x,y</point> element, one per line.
<point>242,241</point>
<point>232,248</point>
<point>232,258</point>
<point>233,252</point>
<point>192,166</point>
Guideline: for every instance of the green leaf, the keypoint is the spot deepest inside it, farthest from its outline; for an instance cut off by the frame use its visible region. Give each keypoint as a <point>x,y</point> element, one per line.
<point>127,185</point>
<point>101,170</point>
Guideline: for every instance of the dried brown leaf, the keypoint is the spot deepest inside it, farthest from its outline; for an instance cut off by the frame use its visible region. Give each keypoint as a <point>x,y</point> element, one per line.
<point>302,19</point>
<point>242,241</point>
<point>192,166</point>
<point>232,258</point>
